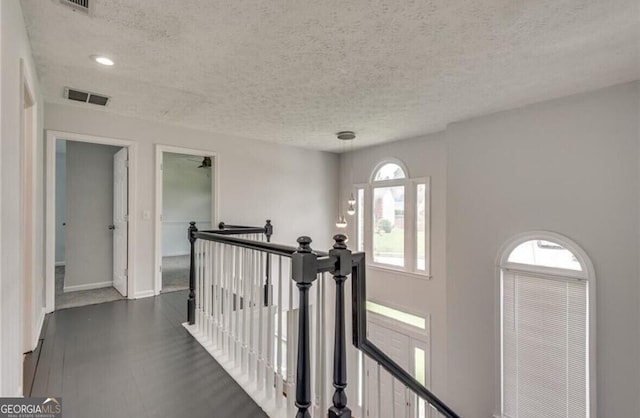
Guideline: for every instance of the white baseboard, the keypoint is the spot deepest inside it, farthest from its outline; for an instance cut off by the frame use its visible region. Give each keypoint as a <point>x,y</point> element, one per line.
<point>87,286</point>
<point>60,263</point>
<point>144,294</point>
<point>177,254</point>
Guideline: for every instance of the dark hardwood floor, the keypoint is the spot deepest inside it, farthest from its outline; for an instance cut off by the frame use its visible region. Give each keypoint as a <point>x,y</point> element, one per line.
<point>134,359</point>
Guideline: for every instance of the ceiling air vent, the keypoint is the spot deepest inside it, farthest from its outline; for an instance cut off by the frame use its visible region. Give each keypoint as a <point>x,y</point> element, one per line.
<point>78,5</point>
<point>86,97</point>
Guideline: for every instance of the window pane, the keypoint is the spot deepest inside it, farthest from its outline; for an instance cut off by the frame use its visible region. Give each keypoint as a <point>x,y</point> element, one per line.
<point>360,220</point>
<point>404,317</point>
<point>421,227</point>
<point>388,225</point>
<point>544,346</point>
<point>389,171</point>
<point>420,375</point>
<point>544,253</point>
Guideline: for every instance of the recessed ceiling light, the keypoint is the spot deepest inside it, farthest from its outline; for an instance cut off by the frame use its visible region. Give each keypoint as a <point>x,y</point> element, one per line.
<point>100,59</point>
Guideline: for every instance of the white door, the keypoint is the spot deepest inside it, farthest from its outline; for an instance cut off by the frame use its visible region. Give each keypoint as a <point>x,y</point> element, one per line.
<point>381,397</point>
<point>120,222</point>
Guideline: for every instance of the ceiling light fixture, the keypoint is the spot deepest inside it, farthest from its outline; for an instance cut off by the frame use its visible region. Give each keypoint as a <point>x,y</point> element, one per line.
<point>100,59</point>
<point>351,202</point>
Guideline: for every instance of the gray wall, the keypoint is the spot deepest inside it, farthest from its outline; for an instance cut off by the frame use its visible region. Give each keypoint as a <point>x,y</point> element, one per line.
<point>570,166</point>
<point>61,198</point>
<point>15,50</point>
<point>294,187</point>
<point>88,241</point>
<point>186,196</point>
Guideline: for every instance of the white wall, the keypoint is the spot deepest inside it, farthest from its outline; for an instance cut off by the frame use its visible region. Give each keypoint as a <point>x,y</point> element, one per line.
<point>89,197</point>
<point>569,166</point>
<point>61,199</point>
<point>15,47</point>
<point>257,180</point>
<point>186,196</point>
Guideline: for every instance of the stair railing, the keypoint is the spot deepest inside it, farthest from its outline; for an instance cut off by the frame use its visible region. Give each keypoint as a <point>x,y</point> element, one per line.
<point>227,311</point>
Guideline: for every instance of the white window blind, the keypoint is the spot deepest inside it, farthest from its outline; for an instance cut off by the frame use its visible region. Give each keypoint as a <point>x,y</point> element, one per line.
<point>544,346</point>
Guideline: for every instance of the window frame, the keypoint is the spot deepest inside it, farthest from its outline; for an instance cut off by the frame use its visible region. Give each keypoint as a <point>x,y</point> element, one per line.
<point>410,185</point>
<point>587,274</point>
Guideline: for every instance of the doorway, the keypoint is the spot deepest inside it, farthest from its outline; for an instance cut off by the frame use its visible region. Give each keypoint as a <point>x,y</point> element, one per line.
<point>89,230</point>
<point>406,342</point>
<point>185,192</point>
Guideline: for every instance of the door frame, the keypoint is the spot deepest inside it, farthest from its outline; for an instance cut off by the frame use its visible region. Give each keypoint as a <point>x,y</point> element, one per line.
<point>32,319</point>
<point>215,163</point>
<point>419,338</point>
<point>132,149</point>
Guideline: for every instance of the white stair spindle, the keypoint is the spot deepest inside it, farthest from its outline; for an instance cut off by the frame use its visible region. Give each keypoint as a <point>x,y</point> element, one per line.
<point>393,397</point>
<point>378,391</point>
<point>246,274</point>
<point>291,352</point>
<point>198,250</point>
<point>252,352</point>
<point>261,327</point>
<point>269,340</point>
<point>234,302</point>
<point>279,374</point>
<point>207,290</point>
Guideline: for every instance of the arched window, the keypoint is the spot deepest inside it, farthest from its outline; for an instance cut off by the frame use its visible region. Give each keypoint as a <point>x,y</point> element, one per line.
<point>394,227</point>
<point>546,328</point>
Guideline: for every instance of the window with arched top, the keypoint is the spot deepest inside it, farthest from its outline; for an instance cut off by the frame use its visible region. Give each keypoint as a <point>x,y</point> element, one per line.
<point>389,171</point>
<point>392,220</point>
<point>546,328</point>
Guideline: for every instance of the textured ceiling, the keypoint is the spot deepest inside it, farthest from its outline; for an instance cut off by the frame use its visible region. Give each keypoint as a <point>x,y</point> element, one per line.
<point>297,72</point>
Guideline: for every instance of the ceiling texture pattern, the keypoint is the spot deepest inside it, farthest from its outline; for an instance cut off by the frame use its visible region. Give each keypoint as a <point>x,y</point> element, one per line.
<point>297,72</point>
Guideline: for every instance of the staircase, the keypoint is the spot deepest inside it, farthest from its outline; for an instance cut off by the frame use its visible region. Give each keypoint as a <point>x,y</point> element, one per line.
<point>273,339</point>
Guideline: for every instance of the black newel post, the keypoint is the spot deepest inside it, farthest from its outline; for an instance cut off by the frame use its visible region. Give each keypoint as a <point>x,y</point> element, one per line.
<point>191,303</point>
<point>343,268</point>
<point>268,231</point>
<point>304,267</point>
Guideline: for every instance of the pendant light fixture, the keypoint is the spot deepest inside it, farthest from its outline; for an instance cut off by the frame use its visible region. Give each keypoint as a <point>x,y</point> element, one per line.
<point>351,208</point>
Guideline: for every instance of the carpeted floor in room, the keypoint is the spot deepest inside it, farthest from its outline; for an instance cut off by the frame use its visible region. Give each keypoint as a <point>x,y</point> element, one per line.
<point>175,273</point>
<point>81,297</point>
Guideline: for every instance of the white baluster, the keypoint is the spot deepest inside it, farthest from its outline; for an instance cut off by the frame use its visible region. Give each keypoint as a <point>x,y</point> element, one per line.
<point>227,305</point>
<point>207,290</point>
<point>291,353</point>
<point>279,376</point>
<point>199,284</point>
<point>233,306</point>
<point>261,327</point>
<point>218,294</point>
<point>269,340</point>
<point>378,391</point>
<point>320,343</point>
<point>252,351</point>
<point>364,384</point>
<point>393,397</point>
<point>245,309</point>
<point>238,311</point>
<point>214,302</point>
<point>407,402</point>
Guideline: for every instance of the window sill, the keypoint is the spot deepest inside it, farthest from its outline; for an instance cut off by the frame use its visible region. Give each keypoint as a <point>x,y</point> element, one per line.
<point>410,274</point>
